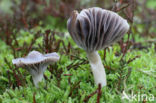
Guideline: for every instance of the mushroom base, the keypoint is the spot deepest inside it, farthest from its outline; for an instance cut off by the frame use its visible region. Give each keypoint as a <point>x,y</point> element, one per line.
<point>97,68</point>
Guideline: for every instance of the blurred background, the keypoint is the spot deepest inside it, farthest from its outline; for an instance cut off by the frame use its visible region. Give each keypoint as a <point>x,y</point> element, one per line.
<point>26,14</point>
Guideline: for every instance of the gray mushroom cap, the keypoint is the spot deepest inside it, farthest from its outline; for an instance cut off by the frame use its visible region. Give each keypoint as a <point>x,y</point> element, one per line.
<point>36,63</point>
<point>36,57</point>
<point>95,28</point>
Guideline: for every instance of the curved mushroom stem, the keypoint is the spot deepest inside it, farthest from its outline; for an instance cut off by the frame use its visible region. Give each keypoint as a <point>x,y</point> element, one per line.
<point>37,71</point>
<point>37,78</point>
<point>97,68</point>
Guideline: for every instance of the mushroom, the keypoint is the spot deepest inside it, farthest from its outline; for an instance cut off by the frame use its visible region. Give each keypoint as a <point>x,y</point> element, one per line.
<point>94,29</point>
<point>36,63</point>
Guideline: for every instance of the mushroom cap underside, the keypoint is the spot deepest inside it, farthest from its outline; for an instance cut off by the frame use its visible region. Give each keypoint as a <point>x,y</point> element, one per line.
<point>36,57</point>
<point>95,28</point>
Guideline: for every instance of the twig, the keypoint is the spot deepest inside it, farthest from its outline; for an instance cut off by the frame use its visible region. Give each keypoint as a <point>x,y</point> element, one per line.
<point>34,99</point>
<point>74,86</point>
<point>99,92</point>
<point>130,60</point>
<point>67,74</point>
<point>77,57</point>
<point>88,97</point>
<point>72,65</point>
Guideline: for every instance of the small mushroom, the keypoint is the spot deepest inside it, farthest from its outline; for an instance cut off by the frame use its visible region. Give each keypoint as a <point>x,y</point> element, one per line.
<point>36,63</point>
<point>95,29</point>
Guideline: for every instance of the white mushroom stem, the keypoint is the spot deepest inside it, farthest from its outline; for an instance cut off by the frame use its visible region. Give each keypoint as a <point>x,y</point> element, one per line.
<point>37,72</point>
<point>97,68</point>
<point>37,78</point>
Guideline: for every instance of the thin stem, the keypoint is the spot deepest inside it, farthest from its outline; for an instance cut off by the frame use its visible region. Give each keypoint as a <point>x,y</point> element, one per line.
<point>97,68</point>
<point>37,72</point>
<point>37,78</point>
